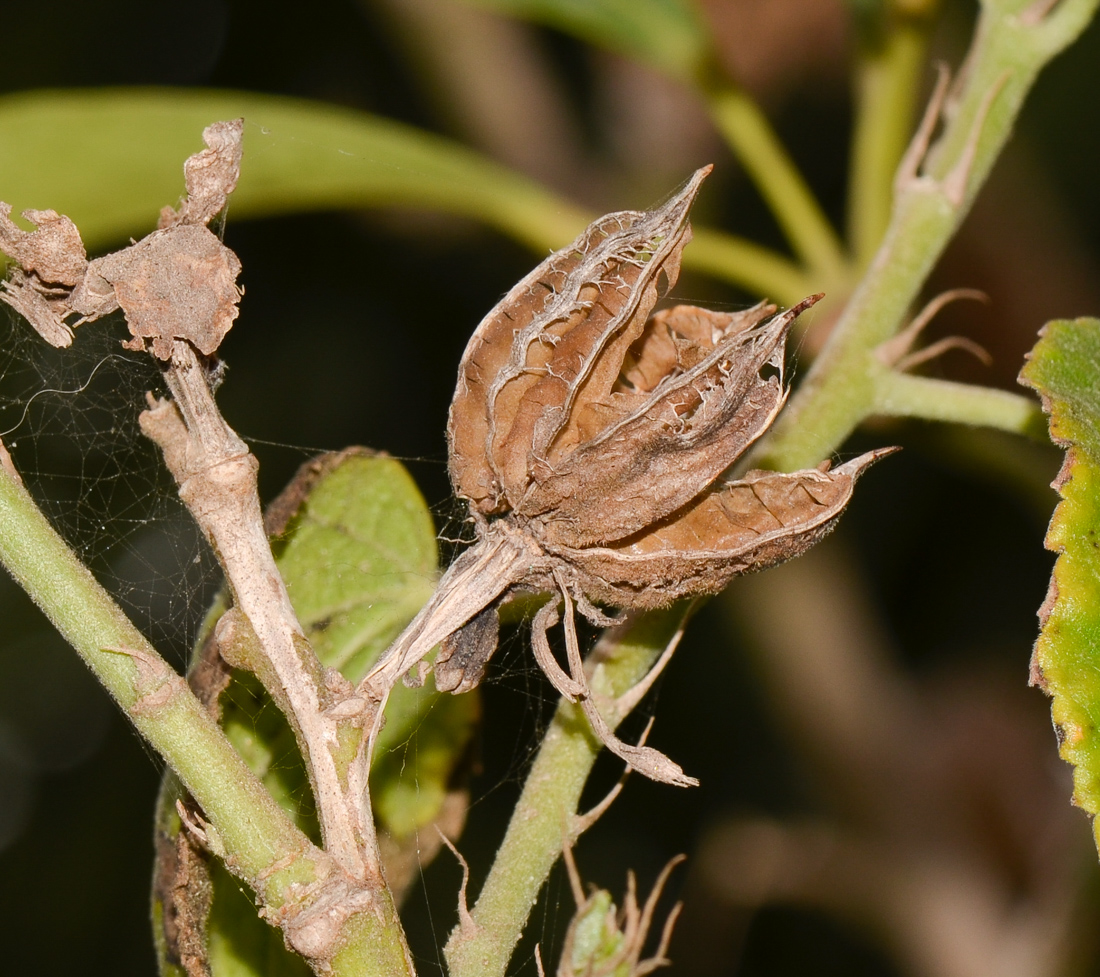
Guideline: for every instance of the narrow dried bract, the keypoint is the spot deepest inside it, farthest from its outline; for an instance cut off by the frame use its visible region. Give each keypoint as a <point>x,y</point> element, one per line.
<point>604,941</point>
<point>590,439</point>
<point>177,283</point>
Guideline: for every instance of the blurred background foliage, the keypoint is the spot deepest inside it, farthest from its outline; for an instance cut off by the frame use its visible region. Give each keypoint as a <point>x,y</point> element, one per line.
<point>880,791</point>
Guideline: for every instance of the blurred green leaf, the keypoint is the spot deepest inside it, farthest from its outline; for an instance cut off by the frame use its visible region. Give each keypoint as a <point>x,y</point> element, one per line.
<point>667,34</point>
<point>357,550</point>
<point>111,158</point>
<point>240,943</point>
<point>1064,367</point>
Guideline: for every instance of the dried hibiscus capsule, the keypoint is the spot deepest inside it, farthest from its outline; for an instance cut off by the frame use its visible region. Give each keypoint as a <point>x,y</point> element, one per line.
<point>590,439</point>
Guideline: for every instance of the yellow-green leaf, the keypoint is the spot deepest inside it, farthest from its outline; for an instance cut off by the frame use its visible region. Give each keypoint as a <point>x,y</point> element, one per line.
<point>111,158</point>
<point>1064,367</point>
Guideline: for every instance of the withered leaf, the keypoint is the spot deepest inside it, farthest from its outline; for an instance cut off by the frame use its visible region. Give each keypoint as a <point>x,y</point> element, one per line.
<point>178,283</point>
<point>174,284</point>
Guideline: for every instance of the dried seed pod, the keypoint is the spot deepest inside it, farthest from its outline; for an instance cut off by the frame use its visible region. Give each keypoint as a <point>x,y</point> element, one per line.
<point>590,438</point>
<point>558,337</point>
<point>755,522</point>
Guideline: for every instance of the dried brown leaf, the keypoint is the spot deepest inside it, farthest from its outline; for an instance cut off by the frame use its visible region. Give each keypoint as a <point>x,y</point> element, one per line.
<point>178,283</point>
<point>174,284</point>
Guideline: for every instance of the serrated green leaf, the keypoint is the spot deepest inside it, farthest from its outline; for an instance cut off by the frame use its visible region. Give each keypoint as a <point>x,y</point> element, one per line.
<point>667,34</point>
<point>112,158</point>
<point>358,554</point>
<point>1064,367</point>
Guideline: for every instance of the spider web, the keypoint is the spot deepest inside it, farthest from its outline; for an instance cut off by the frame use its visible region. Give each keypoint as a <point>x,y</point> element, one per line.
<point>69,418</point>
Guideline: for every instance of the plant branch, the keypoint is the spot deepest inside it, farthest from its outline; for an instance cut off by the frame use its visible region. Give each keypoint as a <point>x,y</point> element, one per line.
<point>296,882</point>
<point>747,130</point>
<point>888,73</point>
<point>841,387</point>
<point>216,474</point>
<point>904,395</point>
<point>543,820</point>
<point>261,843</point>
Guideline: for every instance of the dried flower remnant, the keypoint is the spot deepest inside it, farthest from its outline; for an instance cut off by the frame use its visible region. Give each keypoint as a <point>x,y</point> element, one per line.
<point>179,282</point>
<point>590,440</point>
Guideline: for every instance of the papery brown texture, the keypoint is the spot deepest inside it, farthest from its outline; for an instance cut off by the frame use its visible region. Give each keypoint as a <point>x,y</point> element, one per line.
<point>555,343</point>
<point>178,283</point>
<point>755,522</point>
<point>590,439</point>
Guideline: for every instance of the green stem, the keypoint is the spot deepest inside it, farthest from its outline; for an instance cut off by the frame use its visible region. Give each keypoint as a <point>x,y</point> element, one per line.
<point>541,819</point>
<point>801,218</point>
<point>248,821</point>
<point>256,837</point>
<point>903,395</point>
<point>888,73</point>
<point>840,388</point>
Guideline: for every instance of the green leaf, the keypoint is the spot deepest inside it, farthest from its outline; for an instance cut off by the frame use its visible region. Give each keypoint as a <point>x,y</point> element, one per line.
<point>112,158</point>
<point>356,545</point>
<point>1064,367</point>
<point>667,34</point>
<point>359,559</point>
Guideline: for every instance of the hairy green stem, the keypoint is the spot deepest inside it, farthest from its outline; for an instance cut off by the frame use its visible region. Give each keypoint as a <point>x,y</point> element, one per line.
<point>888,73</point>
<point>249,824</point>
<point>801,218</point>
<point>841,388</point>
<point>902,395</point>
<point>246,826</point>
<point>542,820</point>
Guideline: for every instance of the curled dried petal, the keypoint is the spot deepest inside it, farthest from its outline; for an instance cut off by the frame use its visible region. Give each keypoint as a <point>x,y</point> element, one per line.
<point>463,655</point>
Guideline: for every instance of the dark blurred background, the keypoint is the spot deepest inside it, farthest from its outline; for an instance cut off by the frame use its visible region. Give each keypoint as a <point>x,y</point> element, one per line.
<point>881,793</point>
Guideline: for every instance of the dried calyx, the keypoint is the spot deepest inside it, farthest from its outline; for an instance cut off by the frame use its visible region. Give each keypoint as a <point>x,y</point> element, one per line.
<point>590,439</point>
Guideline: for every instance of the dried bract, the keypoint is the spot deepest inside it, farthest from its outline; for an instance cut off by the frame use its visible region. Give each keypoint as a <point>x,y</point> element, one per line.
<point>590,439</point>
<point>604,941</point>
<point>177,283</point>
